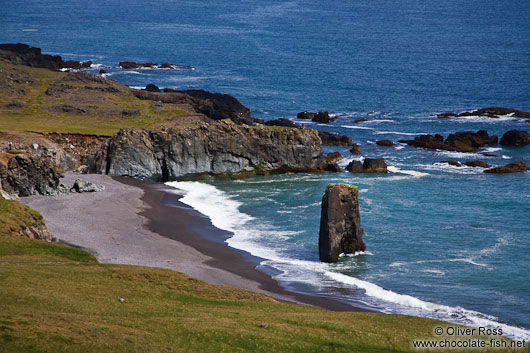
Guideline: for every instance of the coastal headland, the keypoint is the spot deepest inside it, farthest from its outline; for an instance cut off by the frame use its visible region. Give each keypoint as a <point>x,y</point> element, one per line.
<point>186,290</point>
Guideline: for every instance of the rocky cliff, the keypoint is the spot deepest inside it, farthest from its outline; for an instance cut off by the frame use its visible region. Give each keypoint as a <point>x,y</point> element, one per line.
<point>340,224</point>
<point>218,148</point>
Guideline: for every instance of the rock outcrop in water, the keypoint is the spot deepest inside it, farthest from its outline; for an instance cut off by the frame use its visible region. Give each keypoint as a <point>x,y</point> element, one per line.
<point>23,54</point>
<point>491,112</point>
<point>514,167</point>
<point>370,165</point>
<point>515,138</point>
<point>333,139</point>
<point>218,148</point>
<point>340,224</point>
<point>460,141</point>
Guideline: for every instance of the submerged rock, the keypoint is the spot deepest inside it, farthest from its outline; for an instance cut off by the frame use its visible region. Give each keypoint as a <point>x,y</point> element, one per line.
<point>322,117</point>
<point>515,138</point>
<point>340,224</point>
<point>514,167</point>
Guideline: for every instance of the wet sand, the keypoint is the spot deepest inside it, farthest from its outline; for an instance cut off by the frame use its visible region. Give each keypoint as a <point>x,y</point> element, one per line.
<point>141,223</point>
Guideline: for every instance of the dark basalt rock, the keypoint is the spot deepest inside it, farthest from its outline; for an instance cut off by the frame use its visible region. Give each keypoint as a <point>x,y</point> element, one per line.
<point>374,165</point>
<point>355,149</point>
<point>514,167</point>
<point>355,167</point>
<point>135,65</point>
<point>461,141</point>
<point>102,71</point>
<point>340,224</point>
<point>152,88</point>
<point>306,115</point>
<point>23,54</point>
<point>220,148</point>
<point>452,162</point>
<point>25,175</point>
<point>280,122</point>
<point>330,162</point>
<point>515,138</point>
<point>491,112</point>
<point>322,117</point>
<point>361,120</point>
<point>384,143</point>
<point>333,139</point>
<point>370,165</point>
<point>475,164</point>
<point>215,106</point>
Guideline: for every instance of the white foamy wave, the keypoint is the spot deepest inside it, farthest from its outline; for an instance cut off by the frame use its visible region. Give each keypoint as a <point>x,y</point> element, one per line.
<point>436,272</point>
<point>462,155</point>
<point>483,119</point>
<point>380,121</point>
<point>491,149</point>
<point>132,72</point>
<point>399,133</point>
<point>29,30</point>
<point>363,190</point>
<point>214,203</point>
<point>357,253</point>
<point>448,168</point>
<point>456,315</point>
<point>357,127</point>
<point>95,66</point>
<point>413,173</point>
<point>399,147</point>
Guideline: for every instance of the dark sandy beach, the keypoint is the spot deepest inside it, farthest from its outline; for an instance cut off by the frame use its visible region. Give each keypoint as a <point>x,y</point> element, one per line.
<point>141,223</point>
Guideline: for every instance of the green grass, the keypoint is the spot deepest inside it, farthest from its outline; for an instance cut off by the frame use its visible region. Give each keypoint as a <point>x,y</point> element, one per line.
<point>36,117</point>
<point>55,298</point>
<point>14,216</point>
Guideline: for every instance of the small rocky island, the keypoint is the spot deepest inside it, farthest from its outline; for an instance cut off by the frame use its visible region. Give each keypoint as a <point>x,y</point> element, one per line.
<point>340,223</point>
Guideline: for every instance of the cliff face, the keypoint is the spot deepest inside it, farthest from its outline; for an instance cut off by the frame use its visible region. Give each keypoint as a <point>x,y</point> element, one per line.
<point>219,148</point>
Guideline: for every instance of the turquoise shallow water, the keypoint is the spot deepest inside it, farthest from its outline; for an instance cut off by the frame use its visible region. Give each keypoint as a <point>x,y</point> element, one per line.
<point>442,241</point>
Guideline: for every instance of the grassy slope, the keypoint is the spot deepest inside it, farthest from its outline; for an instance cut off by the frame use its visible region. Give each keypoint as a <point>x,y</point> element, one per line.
<point>56,298</point>
<point>35,116</point>
<point>14,216</point>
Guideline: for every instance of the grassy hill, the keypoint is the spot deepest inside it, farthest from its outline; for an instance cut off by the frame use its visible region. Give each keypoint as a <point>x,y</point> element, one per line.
<point>56,298</point>
<point>41,100</point>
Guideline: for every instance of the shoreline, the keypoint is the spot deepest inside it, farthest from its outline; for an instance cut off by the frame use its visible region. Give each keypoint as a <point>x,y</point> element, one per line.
<point>140,223</point>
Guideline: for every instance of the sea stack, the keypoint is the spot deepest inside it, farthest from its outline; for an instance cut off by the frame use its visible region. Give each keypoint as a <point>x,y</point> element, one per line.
<point>340,224</point>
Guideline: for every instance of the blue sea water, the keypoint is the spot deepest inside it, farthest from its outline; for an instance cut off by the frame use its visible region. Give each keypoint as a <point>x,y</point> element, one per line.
<point>442,241</point>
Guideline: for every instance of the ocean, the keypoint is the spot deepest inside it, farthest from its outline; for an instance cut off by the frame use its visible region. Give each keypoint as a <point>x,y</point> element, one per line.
<point>442,241</point>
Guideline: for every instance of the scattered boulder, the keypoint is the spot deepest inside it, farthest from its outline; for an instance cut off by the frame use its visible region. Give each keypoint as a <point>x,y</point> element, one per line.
<point>331,160</point>
<point>361,120</point>
<point>370,165</point>
<point>333,139</point>
<point>460,141</point>
<point>82,185</point>
<point>374,165</point>
<point>102,71</point>
<point>384,143</point>
<point>475,164</point>
<point>514,167</point>
<point>355,167</point>
<point>322,117</point>
<point>515,138</point>
<point>306,115</point>
<point>491,112</point>
<point>134,65</point>
<point>152,88</point>
<point>355,149</point>
<point>340,225</point>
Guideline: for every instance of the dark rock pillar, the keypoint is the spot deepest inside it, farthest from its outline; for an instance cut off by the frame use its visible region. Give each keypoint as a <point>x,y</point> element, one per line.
<point>340,224</point>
